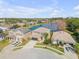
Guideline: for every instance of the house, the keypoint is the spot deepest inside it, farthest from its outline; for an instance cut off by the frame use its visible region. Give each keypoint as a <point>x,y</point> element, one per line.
<point>62,37</point>
<point>39,31</point>
<point>21,24</point>
<point>32,23</point>
<point>38,34</point>
<point>16,35</point>
<point>59,36</point>
<point>43,21</point>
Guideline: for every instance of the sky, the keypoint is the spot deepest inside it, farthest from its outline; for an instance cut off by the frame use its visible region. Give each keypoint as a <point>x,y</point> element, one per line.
<point>39,8</point>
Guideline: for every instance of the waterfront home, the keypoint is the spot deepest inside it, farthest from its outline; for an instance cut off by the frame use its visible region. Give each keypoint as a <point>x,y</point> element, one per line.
<point>62,37</point>
<point>59,36</point>
<point>39,31</point>
<point>31,23</point>
<point>38,34</point>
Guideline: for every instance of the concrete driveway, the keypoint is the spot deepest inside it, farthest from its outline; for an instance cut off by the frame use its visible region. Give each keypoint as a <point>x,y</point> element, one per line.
<point>69,52</point>
<point>30,44</point>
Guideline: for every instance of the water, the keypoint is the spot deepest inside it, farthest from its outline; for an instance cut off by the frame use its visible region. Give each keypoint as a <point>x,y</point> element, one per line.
<point>35,27</point>
<point>53,27</point>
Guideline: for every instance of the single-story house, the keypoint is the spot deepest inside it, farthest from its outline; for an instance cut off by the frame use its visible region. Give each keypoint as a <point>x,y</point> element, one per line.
<point>43,21</point>
<point>16,35</point>
<point>63,37</point>
<point>38,34</point>
<point>31,23</point>
<point>20,24</point>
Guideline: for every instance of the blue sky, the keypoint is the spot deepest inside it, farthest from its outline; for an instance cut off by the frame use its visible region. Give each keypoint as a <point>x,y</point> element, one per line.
<point>39,8</point>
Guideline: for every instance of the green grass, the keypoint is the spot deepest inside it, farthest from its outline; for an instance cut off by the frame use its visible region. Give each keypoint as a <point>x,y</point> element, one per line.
<point>4,43</point>
<point>57,47</point>
<point>51,48</point>
<point>77,49</point>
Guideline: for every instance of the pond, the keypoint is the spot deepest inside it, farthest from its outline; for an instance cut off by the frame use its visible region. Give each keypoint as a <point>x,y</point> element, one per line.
<point>35,27</point>
<point>52,26</point>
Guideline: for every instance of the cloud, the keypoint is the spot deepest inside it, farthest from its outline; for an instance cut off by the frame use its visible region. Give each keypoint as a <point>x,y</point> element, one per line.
<point>7,10</point>
<point>76,7</point>
<point>17,11</point>
<point>76,10</point>
<point>57,13</point>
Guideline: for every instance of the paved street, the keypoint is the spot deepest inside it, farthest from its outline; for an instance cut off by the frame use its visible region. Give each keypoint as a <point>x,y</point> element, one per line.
<point>32,53</point>
<point>28,53</point>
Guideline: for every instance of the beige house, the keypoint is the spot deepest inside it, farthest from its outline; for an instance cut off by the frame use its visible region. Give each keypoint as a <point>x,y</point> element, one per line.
<point>38,34</point>
<point>61,36</point>
<point>17,35</point>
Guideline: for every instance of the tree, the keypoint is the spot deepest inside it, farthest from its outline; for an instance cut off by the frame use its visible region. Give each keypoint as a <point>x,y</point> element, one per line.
<point>15,26</point>
<point>76,36</point>
<point>51,34</point>
<point>71,27</point>
<point>1,31</point>
<point>47,40</point>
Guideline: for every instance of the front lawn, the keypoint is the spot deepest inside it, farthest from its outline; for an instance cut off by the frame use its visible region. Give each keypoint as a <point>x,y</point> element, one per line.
<point>53,48</point>
<point>4,43</point>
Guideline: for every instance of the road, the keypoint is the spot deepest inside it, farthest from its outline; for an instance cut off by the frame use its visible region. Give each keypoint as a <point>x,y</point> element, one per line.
<point>28,53</point>
<point>32,53</point>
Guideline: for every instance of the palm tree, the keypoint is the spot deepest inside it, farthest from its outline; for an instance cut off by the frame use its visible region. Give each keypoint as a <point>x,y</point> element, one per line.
<point>51,34</point>
<point>48,39</point>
